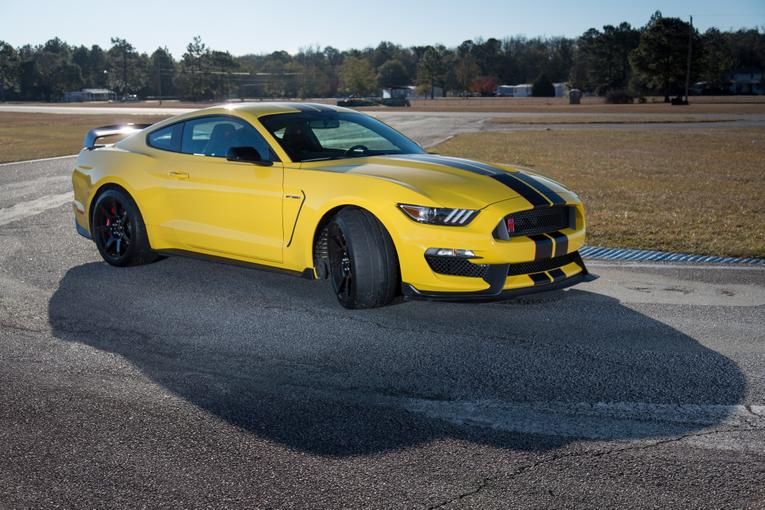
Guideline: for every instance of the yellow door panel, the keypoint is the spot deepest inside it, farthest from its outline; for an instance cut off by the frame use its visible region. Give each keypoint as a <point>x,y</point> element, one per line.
<point>226,207</point>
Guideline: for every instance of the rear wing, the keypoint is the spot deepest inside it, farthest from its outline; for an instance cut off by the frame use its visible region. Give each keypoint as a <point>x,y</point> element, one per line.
<point>118,129</point>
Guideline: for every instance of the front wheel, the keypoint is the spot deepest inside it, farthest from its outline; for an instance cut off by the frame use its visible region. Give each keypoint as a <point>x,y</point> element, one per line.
<point>362,260</point>
<point>119,231</point>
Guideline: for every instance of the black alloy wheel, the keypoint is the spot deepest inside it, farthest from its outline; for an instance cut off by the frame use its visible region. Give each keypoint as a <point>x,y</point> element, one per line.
<point>340,267</point>
<point>363,265</point>
<point>118,230</point>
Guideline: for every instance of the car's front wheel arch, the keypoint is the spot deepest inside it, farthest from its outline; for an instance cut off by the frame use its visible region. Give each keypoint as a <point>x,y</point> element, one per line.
<point>378,236</point>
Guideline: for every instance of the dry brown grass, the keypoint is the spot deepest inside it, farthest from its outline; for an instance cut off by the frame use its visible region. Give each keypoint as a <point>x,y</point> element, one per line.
<point>608,119</point>
<point>739,105</point>
<point>41,135</point>
<point>688,190</point>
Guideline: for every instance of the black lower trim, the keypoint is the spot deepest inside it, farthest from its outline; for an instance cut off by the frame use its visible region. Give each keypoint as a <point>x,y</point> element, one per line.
<point>540,278</point>
<point>80,230</point>
<point>557,275</point>
<point>307,273</point>
<point>410,292</point>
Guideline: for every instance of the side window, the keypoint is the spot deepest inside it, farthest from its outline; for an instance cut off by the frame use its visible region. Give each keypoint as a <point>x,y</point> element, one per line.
<point>214,136</point>
<point>167,139</point>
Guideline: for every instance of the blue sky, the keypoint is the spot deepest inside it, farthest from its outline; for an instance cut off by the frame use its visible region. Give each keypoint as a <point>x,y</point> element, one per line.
<point>255,26</point>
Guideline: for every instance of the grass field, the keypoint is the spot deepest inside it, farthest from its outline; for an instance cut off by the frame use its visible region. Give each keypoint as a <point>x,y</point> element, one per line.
<point>40,135</point>
<point>595,118</point>
<point>689,190</point>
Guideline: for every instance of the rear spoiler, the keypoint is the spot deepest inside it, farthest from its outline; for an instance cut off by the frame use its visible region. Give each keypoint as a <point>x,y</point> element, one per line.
<point>117,129</point>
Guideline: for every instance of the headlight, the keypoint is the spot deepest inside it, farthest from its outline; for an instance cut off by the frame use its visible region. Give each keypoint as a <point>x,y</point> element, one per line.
<point>439,215</point>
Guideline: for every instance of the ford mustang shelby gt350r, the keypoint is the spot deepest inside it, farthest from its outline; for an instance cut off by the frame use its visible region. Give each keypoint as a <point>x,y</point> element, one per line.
<point>326,192</point>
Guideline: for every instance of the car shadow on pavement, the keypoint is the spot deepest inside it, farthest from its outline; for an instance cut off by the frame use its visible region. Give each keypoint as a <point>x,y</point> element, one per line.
<point>276,356</point>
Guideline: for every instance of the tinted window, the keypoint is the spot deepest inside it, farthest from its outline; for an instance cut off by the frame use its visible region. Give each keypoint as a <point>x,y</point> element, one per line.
<point>321,136</point>
<point>168,139</point>
<point>214,136</point>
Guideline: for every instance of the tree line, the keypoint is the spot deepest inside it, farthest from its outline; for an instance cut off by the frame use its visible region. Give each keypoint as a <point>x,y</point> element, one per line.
<point>617,59</point>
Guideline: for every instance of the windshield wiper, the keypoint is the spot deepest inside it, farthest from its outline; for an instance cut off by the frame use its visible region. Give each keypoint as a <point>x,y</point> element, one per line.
<point>326,158</point>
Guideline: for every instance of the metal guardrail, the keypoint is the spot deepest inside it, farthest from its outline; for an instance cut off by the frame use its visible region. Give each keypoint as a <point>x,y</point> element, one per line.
<point>599,253</point>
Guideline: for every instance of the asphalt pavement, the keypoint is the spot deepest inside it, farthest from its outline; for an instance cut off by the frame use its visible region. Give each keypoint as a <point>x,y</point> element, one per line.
<point>193,384</point>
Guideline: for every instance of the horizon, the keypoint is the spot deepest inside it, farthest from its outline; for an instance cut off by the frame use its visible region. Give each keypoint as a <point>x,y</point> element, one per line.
<point>422,25</point>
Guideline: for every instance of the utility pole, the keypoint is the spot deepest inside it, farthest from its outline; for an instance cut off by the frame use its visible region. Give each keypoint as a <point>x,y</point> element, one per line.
<point>159,77</point>
<point>688,67</point>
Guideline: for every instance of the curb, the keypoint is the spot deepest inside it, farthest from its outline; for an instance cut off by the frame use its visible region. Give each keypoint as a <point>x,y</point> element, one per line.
<point>599,253</point>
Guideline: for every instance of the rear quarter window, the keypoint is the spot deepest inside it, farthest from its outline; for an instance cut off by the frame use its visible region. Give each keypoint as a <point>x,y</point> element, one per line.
<point>167,138</point>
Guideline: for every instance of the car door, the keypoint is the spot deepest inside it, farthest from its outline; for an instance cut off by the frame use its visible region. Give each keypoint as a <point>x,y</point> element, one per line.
<point>226,207</point>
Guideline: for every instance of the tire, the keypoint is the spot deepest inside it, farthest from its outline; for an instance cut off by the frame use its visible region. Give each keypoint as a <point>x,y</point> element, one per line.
<point>118,230</point>
<point>363,265</point>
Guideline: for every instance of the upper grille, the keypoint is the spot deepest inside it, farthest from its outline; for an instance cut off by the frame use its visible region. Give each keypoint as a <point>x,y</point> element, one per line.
<point>537,221</point>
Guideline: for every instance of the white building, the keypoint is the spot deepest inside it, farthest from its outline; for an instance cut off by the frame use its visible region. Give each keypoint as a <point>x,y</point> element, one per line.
<point>561,89</point>
<point>90,95</point>
<point>525,90</point>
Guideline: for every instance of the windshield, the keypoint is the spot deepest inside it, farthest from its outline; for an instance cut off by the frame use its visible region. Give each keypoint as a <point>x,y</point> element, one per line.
<point>335,135</point>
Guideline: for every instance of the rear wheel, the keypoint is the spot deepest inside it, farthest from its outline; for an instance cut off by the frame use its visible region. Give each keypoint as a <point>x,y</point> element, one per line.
<point>362,260</point>
<point>119,231</point>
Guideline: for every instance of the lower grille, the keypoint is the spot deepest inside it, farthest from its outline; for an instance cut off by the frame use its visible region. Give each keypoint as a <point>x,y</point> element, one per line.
<point>537,266</point>
<point>456,266</point>
<point>463,267</point>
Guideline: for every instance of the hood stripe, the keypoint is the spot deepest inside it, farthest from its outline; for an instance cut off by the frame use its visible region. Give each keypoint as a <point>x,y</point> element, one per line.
<point>542,188</point>
<point>531,195</point>
<point>444,162</point>
<point>531,189</point>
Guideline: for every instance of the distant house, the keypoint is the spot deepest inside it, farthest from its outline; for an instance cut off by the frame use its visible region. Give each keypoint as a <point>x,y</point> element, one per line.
<point>409,92</point>
<point>525,90</point>
<point>561,89</point>
<point>405,91</point>
<point>747,82</point>
<point>90,95</point>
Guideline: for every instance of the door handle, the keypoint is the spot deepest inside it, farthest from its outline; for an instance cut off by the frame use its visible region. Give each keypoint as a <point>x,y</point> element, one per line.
<point>178,174</point>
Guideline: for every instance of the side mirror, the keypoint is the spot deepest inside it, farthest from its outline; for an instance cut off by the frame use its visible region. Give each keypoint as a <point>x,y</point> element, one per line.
<point>247,155</point>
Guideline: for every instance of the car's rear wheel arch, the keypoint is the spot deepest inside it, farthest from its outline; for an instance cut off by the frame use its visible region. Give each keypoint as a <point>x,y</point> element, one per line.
<point>116,221</point>
<point>100,191</point>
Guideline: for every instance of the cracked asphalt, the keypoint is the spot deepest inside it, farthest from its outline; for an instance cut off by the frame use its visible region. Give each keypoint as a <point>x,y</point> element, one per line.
<point>191,384</point>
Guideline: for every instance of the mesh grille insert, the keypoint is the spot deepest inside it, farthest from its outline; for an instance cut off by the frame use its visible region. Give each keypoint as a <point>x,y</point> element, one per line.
<point>539,220</point>
<point>456,266</point>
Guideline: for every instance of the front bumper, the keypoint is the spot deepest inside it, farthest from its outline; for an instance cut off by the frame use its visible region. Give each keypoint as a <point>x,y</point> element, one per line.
<point>498,279</point>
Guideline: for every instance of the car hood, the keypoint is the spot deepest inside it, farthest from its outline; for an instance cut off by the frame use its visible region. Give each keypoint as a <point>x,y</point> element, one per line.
<point>453,182</point>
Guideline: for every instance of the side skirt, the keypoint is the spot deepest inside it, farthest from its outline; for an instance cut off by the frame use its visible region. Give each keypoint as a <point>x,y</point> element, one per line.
<point>307,273</point>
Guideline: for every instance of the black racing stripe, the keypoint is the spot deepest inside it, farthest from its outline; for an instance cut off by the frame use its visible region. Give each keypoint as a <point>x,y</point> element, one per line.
<point>305,108</point>
<point>427,158</point>
<point>544,246</point>
<point>561,243</point>
<point>323,108</point>
<point>527,192</point>
<point>534,197</point>
<point>557,274</point>
<point>540,278</point>
<point>546,191</point>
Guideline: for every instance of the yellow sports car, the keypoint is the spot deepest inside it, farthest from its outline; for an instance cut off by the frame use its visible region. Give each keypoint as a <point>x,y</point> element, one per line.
<point>326,193</point>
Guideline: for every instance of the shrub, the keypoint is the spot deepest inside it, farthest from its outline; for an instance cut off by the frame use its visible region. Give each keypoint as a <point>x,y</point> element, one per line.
<point>543,87</point>
<point>619,96</point>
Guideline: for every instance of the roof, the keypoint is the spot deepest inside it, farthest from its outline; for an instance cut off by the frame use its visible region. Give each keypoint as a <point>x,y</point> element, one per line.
<point>97,91</point>
<point>267,108</point>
